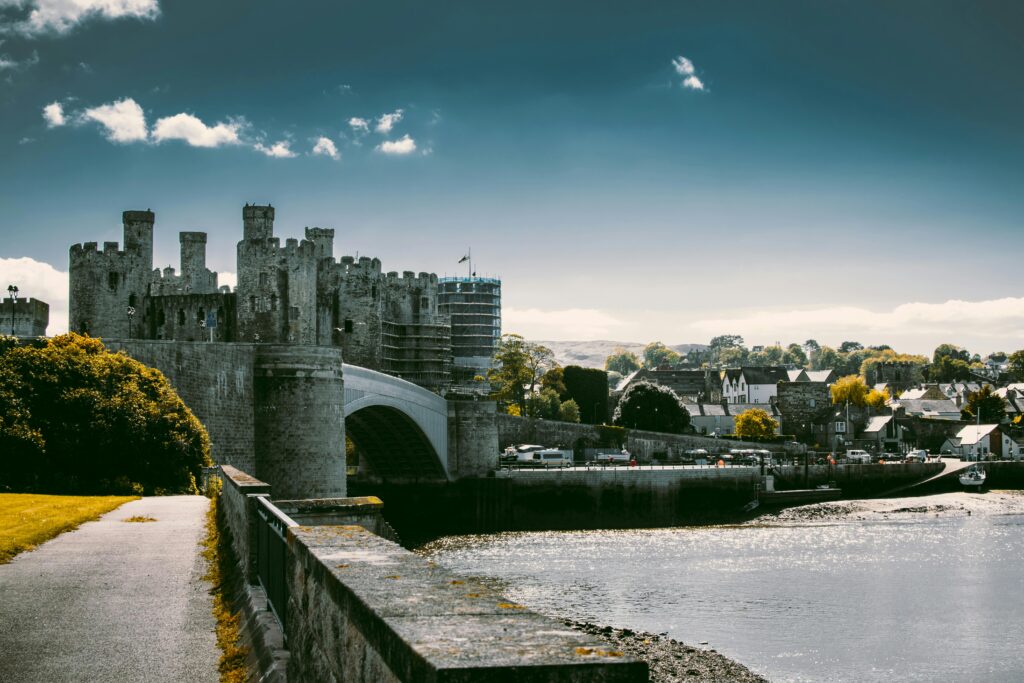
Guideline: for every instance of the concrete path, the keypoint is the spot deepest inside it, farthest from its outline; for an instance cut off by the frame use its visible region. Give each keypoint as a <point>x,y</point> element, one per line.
<point>113,601</point>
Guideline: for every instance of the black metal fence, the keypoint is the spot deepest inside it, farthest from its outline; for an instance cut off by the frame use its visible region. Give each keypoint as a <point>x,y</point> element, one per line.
<point>271,556</point>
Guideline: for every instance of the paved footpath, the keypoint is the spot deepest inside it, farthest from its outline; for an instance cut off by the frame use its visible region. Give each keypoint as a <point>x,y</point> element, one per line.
<point>113,601</point>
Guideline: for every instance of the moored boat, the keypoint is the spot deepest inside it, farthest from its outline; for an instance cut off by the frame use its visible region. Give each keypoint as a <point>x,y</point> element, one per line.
<point>973,477</point>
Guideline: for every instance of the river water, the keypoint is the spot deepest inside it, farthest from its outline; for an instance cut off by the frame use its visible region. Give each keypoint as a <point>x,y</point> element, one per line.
<point>911,597</point>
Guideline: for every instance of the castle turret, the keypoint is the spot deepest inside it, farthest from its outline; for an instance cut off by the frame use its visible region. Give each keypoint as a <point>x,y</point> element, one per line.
<point>138,233</point>
<point>193,253</point>
<point>323,238</point>
<point>257,222</point>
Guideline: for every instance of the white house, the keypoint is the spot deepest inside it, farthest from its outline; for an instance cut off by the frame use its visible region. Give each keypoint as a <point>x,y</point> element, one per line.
<point>752,384</point>
<point>983,442</point>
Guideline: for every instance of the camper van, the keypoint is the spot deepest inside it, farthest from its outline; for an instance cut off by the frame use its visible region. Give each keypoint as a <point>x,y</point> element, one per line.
<point>858,457</point>
<point>548,457</point>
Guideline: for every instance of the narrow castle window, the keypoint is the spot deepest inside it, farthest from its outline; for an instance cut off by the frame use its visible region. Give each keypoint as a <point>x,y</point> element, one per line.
<point>348,326</point>
<point>181,316</point>
<point>263,280</point>
<point>160,317</point>
<point>112,279</point>
<point>425,303</point>
<point>252,304</point>
<point>131,300</point>
<point>273,302</point>
<point>200,316</point>
<point>373,291</point>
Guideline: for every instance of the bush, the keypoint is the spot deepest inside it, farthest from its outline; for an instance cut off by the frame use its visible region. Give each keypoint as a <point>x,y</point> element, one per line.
<point>589,388</point>
<point>76,418</point>
<point>652,407</point>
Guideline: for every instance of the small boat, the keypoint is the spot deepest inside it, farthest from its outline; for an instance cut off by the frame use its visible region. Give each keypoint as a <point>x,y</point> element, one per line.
<point>973,477</point>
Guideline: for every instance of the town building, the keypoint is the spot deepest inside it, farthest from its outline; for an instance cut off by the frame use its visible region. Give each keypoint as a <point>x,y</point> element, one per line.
<point>294,294</point>
<point>689,385</point>
<point>983,442</point>
<point>752,384</point>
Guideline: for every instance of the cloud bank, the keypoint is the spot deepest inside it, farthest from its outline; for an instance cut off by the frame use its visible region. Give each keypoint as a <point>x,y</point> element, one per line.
<point>123,120</point>
<point>196,133</point>
<point>61,16</point>
<point>402,146</point>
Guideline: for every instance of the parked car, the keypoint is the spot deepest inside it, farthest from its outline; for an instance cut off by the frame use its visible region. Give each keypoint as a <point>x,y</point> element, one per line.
<point>917,456</point>
<point>612,458</point>
<point>858,457</point>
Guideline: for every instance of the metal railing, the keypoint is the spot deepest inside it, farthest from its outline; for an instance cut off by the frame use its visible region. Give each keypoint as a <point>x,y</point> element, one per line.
<point>272,555</point>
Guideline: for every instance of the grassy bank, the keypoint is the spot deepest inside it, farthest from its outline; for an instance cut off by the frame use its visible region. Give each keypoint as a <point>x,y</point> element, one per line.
<point>28,519</point>
<point>223,573</point>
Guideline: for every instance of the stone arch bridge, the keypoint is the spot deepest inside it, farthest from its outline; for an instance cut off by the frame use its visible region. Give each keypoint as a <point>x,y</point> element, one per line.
<point>281,412</point>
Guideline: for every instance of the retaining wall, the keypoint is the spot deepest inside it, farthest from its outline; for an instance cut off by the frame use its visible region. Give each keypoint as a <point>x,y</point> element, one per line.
<point>361,608</point>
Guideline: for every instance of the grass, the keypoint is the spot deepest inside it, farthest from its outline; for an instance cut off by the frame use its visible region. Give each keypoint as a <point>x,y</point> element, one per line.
<point>226,578</point>
<point>139,518</point>
<point>28,519</point>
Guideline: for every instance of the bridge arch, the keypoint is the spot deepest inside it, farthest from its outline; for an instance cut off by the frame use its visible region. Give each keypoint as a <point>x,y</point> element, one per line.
<point>401,428</point>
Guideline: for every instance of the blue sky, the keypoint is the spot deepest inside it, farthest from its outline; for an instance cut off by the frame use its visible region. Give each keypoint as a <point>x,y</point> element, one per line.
<point>835,170</point>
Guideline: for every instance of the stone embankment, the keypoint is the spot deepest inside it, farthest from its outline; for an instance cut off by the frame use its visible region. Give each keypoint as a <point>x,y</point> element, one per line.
<point>669,660</point>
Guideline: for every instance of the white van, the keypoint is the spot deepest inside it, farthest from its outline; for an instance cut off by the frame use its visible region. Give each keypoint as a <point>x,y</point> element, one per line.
<point>917,456</point>
<point>553,457</point>
<point>861,457</point>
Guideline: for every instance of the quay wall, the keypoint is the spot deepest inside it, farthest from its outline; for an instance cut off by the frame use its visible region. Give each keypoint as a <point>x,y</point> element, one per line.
<point>361,608</point>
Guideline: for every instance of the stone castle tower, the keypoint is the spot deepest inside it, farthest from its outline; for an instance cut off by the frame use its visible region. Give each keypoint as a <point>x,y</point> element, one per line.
<point>297,293</point>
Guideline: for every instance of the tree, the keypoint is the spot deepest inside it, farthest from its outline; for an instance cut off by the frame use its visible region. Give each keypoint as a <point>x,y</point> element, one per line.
<point>589,388</point>
<point>519,365</point>
<point>851,388</point>
<point>948,369</point>
<point>795,355</point>
<point>569,411</point>
<point>848,346</point>
<point>622,362</point>
<point>725,341</point>
<point>652,407</point>
<point>876,398</point>
<point>952,352</point>
<point>545,404</point>
<point>826,359</point>
<point>733,357</point>
<point>613,379</point>
<point>1016,365</point>
<point>755,423</point>
<point>983,406</point>
<point>77,418</point>
<point>656,354</point>
<point>554,379</point>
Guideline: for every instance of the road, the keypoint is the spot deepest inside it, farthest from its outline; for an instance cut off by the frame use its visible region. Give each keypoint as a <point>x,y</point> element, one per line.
<point>113,601</point>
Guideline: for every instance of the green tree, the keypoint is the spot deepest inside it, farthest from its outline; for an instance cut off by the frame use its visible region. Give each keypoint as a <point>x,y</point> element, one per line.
<point>518,367</point>
<point>652,407</point>
<point>554,379</point>
<point>952,352</point>
<point>589,388</point>
<point>948,369</point>
<point>826,358</point>
<point>984,404</point>
<point>1016,365</point>
<point>795,355</point>
<point>569,411</point>
<point>77,418</point>
<point>848,346</point>
<point>545,404</point>
<point>622,362</point>
<point>755,423</point>
<point>733,357</point>
<point>725,341</point>
<point>613,379</point>
<point>851,388</point>
<point>656,354</point>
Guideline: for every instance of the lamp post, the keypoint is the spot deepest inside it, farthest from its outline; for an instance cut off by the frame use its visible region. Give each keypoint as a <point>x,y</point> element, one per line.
<point>131,314</point>
<point>13,291</point>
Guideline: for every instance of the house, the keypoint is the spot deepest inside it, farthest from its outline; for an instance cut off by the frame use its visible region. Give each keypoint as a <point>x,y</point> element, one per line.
<point>941,409</point>
<point>720,418</point>
<point>752,384</point>
<point>829,376</point>
<point>883,433</point>
<point>688,384</point>
<point>984,442</point>
<point>930,392</point>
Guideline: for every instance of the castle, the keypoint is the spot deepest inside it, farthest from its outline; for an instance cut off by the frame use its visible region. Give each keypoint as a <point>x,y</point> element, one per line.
<point>297,293</point>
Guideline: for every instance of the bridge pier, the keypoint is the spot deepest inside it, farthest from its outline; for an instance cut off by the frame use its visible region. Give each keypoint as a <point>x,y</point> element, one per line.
<point>472,438</point>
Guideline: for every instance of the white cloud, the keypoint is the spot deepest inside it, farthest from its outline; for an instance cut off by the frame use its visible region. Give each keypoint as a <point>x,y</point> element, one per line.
<point>404,145</point>
<point>359,125</point>
<point>693,83</point>
<point>229,279</point>
<point>196,133</point>
<point>583,324</point>
<point>326,147</point>
<point>124,120</point>
<point>952,320</point>
<point>53,114</point>
<point>39,280</point>
<point>387,121</point>
<point>280,149</point>
<point>683,66</point>
<point>60,16</point>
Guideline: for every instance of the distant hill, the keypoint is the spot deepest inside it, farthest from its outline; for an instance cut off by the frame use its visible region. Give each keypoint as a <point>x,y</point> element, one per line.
<point>592,354</point>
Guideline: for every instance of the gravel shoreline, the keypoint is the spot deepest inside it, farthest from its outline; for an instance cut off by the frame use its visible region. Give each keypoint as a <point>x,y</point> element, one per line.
<point>669,660</point>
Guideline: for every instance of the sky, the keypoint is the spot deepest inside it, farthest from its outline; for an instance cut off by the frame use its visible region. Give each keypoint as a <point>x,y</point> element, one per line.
<point>632,171</point>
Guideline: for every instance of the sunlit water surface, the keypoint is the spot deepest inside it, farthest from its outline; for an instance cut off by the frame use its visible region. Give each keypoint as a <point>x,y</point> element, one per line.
<point>932,599</point>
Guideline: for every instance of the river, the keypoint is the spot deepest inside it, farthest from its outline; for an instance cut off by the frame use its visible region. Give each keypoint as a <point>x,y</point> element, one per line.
<point>917,589</point>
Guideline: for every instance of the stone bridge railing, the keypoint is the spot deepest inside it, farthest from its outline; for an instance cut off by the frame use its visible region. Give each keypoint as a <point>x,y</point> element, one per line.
<point>361,608</point>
